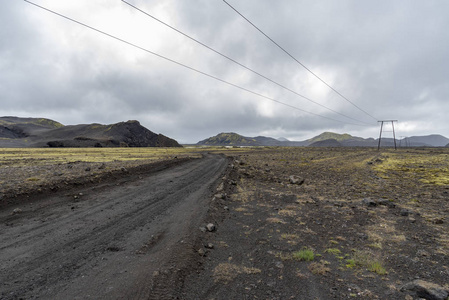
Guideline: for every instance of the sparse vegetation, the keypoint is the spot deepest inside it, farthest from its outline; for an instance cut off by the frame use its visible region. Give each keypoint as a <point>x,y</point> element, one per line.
<point>319,268</point>
<point>334,251</point>
<point>376,267</point>
<point>367,260</point>
<point>226,272</point>
<point>416,165</point>
<point>304,255</point>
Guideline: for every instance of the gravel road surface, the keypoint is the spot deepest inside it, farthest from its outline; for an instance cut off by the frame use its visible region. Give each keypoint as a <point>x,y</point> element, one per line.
<point>106,241</point>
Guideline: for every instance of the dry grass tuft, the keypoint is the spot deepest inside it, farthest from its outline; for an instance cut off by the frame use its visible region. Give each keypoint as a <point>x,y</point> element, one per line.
<point>319,268</point>
<point>276,220</point>
<point>227,272</point>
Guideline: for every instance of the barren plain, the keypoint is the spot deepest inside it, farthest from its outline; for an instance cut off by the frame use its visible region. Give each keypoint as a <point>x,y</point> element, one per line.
<point>289,223</point>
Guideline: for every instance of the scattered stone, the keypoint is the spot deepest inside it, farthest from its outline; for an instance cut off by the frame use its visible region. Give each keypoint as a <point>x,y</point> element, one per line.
<point>124,170</point>
<point>113,249</point>
<point>362,236</point>
<point>87,169</point>
<point>422,253</point>
<point>202,252</point>
<point>226,208</point>
<point>386,202</point>
<point>354,288</point>
<point>232,182</point>
<point>279,265</point>
<point>209,246</point>
<point>17,211</point>
<point>203,229</point>
<point>293,179</point>
<point>220,188</point>
<point>438,221</point>
<point>426,290</point>
<point>369,202</point>
<point>220,196</point>
<point>210,227</point>
<point>405,212</point>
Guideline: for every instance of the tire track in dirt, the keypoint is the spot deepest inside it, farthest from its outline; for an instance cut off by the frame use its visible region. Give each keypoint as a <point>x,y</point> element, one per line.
<point>109,242</point>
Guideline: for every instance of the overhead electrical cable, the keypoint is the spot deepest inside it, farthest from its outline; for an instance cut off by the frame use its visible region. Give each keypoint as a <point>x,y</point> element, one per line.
<point>184,65</point>
<point>286,52</point>
<point>238,63</point>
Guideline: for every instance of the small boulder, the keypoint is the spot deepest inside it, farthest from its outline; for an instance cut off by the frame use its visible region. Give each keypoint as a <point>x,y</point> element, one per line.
<point>201,252</point>
<point>210,227</point>
<point>220,188</point>
<point>426,290</point>
<point>405,212</point>
<point>386,202</point>
<point>369,202</point>
<point>438,221</point>
<point>220,196</point>
<point>16,211</point>
<point>293,179</point>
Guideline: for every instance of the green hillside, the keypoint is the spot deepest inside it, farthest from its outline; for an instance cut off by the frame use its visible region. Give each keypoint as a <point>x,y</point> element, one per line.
<point>229,139</point>
<point>333,136</point>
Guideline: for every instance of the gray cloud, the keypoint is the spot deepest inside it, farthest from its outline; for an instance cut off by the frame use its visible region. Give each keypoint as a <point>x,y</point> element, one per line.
<point>389,58</point>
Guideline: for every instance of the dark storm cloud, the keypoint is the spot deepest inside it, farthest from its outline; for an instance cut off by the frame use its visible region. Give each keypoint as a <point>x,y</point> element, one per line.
<point>389,58</point>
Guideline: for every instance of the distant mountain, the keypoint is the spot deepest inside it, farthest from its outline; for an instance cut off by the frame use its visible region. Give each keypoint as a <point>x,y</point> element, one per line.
<point>15,127</point>
<point>326,139</point>
<point>35,132</point>
<point>229,139</point>
<point>267,141</point>
<point>283,139</point>
<point>335,136</point>
<point>326,143</point>
<point>434,140</point>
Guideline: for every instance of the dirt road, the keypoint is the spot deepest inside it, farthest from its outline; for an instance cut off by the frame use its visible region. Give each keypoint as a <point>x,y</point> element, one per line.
<point>107,241</point>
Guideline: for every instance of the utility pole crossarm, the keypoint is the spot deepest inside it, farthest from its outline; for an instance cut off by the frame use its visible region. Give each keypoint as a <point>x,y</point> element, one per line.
<point>381,127</point>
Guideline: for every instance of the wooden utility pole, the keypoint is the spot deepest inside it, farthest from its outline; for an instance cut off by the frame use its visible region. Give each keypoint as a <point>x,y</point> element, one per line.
<point>381,128</point>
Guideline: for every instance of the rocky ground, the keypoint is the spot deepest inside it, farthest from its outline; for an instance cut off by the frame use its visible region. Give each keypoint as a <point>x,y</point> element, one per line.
<point>313,223</point>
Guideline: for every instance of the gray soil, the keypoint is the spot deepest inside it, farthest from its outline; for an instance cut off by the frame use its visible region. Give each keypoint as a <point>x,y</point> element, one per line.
<point>108,240</point>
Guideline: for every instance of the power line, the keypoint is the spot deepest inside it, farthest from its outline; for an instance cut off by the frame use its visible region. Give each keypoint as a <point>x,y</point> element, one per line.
<point>238,63</point>
<point>286,52</point>
<point>183,65</point>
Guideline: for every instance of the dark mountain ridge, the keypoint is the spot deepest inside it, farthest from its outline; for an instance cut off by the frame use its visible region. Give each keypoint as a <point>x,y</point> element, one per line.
<point>39,132</point>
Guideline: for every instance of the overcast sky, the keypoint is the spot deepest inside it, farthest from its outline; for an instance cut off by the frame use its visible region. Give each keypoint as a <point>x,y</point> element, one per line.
<point>390,59</point>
